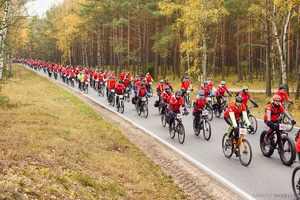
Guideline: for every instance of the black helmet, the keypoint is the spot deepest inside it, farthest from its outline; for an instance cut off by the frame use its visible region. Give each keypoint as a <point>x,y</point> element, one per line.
<point>238,99</point>
<point>178,93</point>
<point>281,87</point>
<point>167,88</point>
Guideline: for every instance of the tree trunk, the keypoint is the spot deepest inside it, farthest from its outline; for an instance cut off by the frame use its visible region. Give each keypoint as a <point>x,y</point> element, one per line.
<point>3,35</point>
<point>268,50</point>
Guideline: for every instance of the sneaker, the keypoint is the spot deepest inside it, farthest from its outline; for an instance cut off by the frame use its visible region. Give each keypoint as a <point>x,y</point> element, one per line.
<point>228,142</point>
<point>237,153</point>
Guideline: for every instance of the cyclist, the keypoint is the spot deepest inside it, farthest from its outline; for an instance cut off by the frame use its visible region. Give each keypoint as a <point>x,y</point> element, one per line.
<point>167,84</point>
<point>185,84</point>
<point>122,75</point>
<point>149,81</point>
<point>119,90</point>
<point>198,105</point>
<point>207,90</point>
<point>210,83</point>
<point>272,113</point>
<point>220,93</point>
<point>165,98</point>
<point>80,78</point>
<point>176,102</point>
<point>246,96</point>
<point>283,95</point>
<point>233,113</point>
<point>141,92</point>
<point>85,80</point>
<point>160,88</point>
<point>111,84</point>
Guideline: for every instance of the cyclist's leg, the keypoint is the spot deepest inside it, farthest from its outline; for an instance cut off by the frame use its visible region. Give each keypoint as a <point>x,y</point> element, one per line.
<point>219,103</point>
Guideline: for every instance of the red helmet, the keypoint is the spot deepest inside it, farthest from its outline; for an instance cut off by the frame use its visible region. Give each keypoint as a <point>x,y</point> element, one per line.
<point>276,97</point>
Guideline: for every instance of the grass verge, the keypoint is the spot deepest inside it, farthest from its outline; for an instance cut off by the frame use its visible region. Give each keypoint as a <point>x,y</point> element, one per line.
<point>54,146</point>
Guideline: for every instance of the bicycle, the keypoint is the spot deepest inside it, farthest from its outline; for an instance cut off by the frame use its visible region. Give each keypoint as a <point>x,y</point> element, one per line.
<point>296,182</point>
<point>252,120</point>
<point>119,98</point>
<point>85,87</point>
<point>127,94</point>
<point>203,125</point>
<point>111,97</point>
<point>143,107</point>
<point>100,89</point>
<point>163,114</point>
<point>224,106</point>
<point>186,97</point>
<point>241,147</point>
<point>210,112</point>
<point>284,119</point>
<point>279,140</point>
<point>177,127</point>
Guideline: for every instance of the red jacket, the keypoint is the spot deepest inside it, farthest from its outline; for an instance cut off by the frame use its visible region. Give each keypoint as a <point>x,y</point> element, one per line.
<point>200,104</point>
<point>166,97</point>
<point>275,112</point>
<point>175,103</point>
<point>119,89</point>
<point>245,97</point>
<point>283,96</point>
<point>237,111</point>
<point>185,84</point>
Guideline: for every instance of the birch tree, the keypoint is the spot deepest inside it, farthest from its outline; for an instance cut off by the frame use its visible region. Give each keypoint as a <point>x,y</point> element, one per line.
<point>3,32</point>
<point>281,15</point>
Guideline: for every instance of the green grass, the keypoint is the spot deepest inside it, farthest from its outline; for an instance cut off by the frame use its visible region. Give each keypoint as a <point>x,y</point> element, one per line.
<point>55,146</point>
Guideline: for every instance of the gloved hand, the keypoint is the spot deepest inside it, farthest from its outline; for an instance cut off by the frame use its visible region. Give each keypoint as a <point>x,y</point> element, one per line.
<point>236,131</point>
<point>293,121</point>
<point>230,95</point>
<point>255,105</point>
<point>291,102</point>
<point>251,128</point>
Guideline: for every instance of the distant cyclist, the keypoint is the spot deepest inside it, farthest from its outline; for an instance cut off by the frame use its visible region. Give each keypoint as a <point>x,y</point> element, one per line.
<point>221,92</point>
<point>283,94</point>
<point>247,96</point>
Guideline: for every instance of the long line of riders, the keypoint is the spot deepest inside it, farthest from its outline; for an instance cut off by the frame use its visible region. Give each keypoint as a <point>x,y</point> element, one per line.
<point>210,101</point>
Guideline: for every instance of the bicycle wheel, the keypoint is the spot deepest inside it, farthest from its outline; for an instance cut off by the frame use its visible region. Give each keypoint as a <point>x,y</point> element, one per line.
<point>217,113</point>
<point>245,152</point>
<point>196,130</point>
<point>121,106</point>
<point>296,182</point>
<point>210,114</point>
<point>266,149</point>
<point>181,133</point>
<point>206,129</point>
<point>188,101</point>
<point>253,122</point>
<point>227,148</point>
<point>172,130</point>
<point>288,152</point>
<point>145,110</point>
<point>102,91</point>
<point>288,122</point>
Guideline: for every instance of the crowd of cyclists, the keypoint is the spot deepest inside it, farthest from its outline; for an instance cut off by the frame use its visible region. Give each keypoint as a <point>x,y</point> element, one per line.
<point>172,102</point>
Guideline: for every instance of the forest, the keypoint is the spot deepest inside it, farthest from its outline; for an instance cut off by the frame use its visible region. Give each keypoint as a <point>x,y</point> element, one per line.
<point>257,40</point>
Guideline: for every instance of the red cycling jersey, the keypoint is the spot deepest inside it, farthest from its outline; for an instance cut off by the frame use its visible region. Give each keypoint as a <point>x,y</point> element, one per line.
<point>236,110</point>
<point>176,103</point>
<point>275,112</point>
<point>283,96</point>
<point>200,104</point>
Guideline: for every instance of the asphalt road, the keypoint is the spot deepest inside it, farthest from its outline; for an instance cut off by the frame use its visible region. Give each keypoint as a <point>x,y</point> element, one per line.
<point>264,178</point>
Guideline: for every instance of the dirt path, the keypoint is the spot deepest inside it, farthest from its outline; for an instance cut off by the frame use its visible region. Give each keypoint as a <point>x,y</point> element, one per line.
<point>196,183</point>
